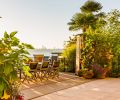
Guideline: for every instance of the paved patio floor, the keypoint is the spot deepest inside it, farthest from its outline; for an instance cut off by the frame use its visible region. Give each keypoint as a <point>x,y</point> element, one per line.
<point>71,87</point>
<point>37,89</point>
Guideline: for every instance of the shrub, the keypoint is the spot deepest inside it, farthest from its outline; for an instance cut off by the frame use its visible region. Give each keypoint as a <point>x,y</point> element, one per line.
<point>81,72</point>
<point>69,54</point>
<point>99,72</point>
<point>69,68</point>
<point>61,67</point>
<point>115,72</point>
<point>12,53</point>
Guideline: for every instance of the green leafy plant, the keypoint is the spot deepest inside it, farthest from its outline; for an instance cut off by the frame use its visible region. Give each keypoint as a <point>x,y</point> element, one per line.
<point>12,55</point>
<point>62,67</point>
<point>69,54</point>
<point>102,45</point>
<point>101,36</point>
<point>99,72</point>
<point>89,16</point>
<point>81,72</point>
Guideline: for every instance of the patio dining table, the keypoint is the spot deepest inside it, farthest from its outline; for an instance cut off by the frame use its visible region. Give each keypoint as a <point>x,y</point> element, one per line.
<point>20,70</point>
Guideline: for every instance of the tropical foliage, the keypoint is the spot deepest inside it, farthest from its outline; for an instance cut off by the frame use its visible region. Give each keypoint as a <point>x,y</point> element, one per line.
<point>69,54</point>
<point>101,34</point>
<point>102,46</point>
<point>89,16</point>
<point>12,55</point>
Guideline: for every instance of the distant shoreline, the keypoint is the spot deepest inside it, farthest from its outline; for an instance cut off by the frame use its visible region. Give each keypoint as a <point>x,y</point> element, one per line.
<point>45,52</point>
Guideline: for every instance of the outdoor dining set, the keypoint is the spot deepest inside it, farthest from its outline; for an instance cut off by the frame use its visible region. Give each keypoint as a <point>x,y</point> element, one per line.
<point>40,69</point>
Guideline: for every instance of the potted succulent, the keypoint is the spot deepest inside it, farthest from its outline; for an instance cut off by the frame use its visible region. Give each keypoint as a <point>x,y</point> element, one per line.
<point>12,53</point>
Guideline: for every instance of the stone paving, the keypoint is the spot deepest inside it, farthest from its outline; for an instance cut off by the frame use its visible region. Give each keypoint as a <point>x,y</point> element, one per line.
<point>38,89</point>
<point>71,87</point>
<point>104,89</point>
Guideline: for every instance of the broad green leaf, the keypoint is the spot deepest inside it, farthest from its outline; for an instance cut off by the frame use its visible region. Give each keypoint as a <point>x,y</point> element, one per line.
<point>2,86</point>
<point>12,34</point>
<point>2,83</point>
<point>20,46</point>
<point>13,55</point>
<point>28,46</point>
<point>8,68</point>
<point>1,68</point>
<point>2,57</point>
<point>13,75</point>
<point>24,51</point>
<point>26,70</point>
<point>6,35</point>
<point>1,93</point>
<point>15,41</point>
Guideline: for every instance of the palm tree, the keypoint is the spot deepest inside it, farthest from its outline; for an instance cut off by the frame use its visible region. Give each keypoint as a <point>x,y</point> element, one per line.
<point>89,16</point>
<point>91,6</point>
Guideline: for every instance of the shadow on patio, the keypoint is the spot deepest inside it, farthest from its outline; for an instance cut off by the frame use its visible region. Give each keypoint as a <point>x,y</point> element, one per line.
<point>37,89</point>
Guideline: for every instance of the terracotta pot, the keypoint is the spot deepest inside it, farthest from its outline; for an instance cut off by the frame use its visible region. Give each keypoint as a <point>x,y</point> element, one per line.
<point>88,75</point>
<point>102,76</point>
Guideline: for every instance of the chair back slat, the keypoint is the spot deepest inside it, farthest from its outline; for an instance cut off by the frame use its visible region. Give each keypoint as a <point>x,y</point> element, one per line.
<point>38,58</point>
<point>45,64</point>
<point>56,64</point>
<point>33,65</point>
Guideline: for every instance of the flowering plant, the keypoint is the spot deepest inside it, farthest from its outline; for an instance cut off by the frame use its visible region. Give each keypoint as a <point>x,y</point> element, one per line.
<point>98,71</point>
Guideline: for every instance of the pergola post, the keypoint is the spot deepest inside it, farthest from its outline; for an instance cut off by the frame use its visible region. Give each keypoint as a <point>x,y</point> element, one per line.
<point>79,44</point>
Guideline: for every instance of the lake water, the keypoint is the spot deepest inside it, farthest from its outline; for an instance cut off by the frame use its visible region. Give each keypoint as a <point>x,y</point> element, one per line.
<point>45,52</point>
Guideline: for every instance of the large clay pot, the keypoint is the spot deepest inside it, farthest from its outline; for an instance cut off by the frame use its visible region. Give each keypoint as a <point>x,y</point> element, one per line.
<point>88,75</point>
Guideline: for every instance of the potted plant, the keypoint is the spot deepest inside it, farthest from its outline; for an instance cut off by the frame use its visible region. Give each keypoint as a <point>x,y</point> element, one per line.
<point>88,74</point>
<point>12,53</point>
<point>81,72</point>
<point>99,71</point>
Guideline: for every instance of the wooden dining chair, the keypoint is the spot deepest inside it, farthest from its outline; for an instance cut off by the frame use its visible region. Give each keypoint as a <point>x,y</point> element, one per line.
<point>44,70</point>
<point>55,69</point>
<point>32,71</point>
<point>38,58</point>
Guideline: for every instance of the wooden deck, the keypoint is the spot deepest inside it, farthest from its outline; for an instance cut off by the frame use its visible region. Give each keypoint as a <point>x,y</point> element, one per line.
<point>36,89</point>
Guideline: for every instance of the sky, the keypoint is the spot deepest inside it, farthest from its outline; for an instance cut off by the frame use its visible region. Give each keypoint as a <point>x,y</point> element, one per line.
<point>43,23</point>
